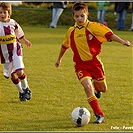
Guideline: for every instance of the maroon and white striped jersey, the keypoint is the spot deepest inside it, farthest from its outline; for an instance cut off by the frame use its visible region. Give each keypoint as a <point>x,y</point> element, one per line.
<point>10,33</point>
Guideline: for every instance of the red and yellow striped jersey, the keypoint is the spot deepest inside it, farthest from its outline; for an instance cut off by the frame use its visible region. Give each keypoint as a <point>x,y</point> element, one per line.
<point>85,41</point>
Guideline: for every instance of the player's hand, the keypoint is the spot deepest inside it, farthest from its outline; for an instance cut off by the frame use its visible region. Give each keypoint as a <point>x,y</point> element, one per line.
<point>28,44</point>
<point>127,43</point>
<point>57,63</point>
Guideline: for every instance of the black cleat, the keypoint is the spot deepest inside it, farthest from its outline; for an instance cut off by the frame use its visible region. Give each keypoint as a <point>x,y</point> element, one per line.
<point>27,93</point>
<point>98,94</point>
<point>22,96</point>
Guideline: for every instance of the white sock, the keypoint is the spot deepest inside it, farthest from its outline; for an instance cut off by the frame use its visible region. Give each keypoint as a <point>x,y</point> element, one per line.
<point>19,87</point>
<point>24,83</point>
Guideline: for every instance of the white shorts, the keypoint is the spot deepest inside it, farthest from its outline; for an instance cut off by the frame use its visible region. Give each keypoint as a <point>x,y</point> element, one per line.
<point>10,67</point>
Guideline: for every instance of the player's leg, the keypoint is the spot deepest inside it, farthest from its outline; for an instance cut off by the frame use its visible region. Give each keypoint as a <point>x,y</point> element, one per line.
<point>19,69</point>
<point>24,83</point>
<point>8,71</point>
<point>86,80</point>
<point>99,81</point>
<point>17,83</point>
<point>22,76</point>
<point>100,86</point>
<point>92,100</point>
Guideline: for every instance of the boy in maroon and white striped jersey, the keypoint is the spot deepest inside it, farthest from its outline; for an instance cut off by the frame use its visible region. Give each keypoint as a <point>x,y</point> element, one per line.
<point>11,51</point>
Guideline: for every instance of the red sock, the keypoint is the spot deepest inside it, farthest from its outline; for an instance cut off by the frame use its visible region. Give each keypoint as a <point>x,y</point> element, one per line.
<point>95,105</point>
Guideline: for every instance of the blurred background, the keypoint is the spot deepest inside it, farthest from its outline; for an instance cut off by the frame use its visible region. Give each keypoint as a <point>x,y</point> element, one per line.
<point>40,13</point>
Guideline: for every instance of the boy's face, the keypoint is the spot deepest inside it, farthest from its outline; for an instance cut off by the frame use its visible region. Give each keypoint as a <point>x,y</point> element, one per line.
<point>4,15</point>
<point>80,17</point>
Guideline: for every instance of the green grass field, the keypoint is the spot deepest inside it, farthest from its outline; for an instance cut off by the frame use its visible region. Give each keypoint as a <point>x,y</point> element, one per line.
<point>56,91</point>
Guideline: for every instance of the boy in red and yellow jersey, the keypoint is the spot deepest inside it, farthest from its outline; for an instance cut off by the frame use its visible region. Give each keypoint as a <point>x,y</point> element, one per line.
<point>85,39</point>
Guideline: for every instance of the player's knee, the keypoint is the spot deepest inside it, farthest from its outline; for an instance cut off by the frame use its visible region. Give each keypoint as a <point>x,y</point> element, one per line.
<point>19,73</point>
<point>104,89</point>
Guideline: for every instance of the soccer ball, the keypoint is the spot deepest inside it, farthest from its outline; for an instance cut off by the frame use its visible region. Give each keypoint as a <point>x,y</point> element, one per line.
<point>80,116</point>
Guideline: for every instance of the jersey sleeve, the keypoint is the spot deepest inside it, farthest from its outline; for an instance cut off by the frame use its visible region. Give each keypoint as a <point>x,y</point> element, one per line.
<point>18,31</point>
<point>66,41</point>
<point>100,31</point>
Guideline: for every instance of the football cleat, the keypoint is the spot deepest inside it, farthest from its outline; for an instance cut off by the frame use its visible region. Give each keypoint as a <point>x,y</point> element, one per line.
<point>22,96</point>
<point>98,94</point>
<point>100,119</point>
<point>27,93</point>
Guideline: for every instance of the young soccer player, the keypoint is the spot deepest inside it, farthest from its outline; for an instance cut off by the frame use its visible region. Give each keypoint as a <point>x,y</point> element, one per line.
<point>85,39</point>
<point>11,51</point>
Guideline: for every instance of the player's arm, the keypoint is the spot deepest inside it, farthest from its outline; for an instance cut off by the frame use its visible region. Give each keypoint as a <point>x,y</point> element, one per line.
<point>120,40</point>
<point>20,35</point>
<point>64,47</point>
<point>27,42</point>
<point>62,52</point>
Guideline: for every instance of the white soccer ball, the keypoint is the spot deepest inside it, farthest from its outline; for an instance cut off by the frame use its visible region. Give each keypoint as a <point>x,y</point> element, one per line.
<point>80,116</point>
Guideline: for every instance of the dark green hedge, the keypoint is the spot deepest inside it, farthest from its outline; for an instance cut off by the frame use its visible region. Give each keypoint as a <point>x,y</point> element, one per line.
<point>29,16</point>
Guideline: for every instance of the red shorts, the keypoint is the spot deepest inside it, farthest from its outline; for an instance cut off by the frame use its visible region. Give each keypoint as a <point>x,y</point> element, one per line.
<point>92,69</point>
